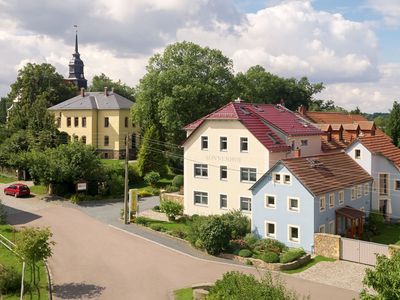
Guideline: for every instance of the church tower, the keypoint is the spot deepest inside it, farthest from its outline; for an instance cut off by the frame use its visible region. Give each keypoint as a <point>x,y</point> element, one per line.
<point>76,75</point>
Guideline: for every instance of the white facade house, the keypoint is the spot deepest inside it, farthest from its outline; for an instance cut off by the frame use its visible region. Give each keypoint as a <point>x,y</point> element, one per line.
<point>227,151</point>
<point>381,159</point>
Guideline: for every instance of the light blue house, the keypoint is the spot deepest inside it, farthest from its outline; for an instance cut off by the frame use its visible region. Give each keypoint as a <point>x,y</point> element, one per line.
<point>300,196</point>
<point>381,159</point>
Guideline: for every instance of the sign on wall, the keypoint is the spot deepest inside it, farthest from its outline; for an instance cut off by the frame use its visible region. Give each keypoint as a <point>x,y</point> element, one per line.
<point>81,186</point>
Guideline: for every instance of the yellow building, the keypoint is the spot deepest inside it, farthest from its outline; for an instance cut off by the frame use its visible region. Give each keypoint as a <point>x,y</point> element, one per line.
<point>101,119</point>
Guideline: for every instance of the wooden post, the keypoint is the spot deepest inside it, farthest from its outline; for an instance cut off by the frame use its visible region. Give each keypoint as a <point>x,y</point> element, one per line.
<point>126,210</point>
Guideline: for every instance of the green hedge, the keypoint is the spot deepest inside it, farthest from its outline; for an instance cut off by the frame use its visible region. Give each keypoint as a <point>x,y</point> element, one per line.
<point>245,253</point>
<point>292,255</point>
<point>269,257</point>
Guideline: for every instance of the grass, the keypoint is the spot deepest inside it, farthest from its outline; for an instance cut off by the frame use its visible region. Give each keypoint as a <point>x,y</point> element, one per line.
<point>6,179</point>
<point>311,263</point>
<point>112,162</point>
<point>388,234</point>
<point>169,226</point>
<point>38,189</point>
<point>184,294</point>
<point>7,258</point>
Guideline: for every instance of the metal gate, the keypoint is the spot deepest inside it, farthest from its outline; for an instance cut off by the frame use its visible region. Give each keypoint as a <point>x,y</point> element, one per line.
<point>361,251</point>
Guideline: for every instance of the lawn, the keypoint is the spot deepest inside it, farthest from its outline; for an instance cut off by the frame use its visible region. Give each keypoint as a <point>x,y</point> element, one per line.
<point>388,234</point>
<point>169,226</point>
<point>38,189</point>
<point>6,179</point>
<point>112,162</point>
<point>7,258</point>
<point>184,294</point>
<point>311,263</point>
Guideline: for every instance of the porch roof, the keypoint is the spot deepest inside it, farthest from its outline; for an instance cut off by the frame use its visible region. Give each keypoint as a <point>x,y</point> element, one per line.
<point>350,212</point>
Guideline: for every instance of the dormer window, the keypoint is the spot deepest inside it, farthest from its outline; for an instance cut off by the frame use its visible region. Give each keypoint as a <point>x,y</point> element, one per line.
<point>357,154</point>
<point>341,134</point>
<point>329,136</point>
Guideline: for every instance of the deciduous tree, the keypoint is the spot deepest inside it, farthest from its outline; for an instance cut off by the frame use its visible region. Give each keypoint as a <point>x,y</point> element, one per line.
<point>99,82</point>
<point>393,124</point>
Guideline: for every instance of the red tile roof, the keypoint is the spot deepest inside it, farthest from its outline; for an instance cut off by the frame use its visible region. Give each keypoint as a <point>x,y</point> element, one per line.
<point>327,173</point>
<point>259,118</point>
<point>333,117</point>
<point>380,144</point>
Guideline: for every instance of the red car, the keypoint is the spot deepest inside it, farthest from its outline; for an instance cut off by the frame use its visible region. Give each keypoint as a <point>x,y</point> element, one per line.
<point>17,190</point>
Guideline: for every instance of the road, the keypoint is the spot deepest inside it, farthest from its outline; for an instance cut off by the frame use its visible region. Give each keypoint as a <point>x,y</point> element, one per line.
<point>93,260</point>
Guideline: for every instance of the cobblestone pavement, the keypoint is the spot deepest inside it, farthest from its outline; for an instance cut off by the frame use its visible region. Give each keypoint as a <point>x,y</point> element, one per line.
<point>339,273</point>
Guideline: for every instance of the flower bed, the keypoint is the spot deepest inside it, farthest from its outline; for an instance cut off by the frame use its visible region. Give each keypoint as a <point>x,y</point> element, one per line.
<point>269,266</point>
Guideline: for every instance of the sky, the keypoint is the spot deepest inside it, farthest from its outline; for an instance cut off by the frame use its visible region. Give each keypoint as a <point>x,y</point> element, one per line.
<point>351,46</point>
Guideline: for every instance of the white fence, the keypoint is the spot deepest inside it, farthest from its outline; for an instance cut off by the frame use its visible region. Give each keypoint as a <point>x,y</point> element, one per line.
<point>361,251</point>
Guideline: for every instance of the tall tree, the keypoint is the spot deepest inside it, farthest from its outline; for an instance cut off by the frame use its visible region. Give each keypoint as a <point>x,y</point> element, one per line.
<point>259,86</point>
<point>393,124</point>
<point>99,82</point>
<point>36,82</point>
<point>182,84</point>
<point>3,110</point>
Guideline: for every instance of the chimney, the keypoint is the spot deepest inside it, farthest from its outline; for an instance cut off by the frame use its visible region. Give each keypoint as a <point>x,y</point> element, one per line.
<point>297,152</point>
<point>238,100</point>
<point>105,91</point>
<point>82,92</point>
<point>282,102</point>
<point>301,109</point>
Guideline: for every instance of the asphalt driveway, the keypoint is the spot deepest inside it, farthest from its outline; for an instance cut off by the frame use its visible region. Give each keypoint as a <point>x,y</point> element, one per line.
<point>93,260</point>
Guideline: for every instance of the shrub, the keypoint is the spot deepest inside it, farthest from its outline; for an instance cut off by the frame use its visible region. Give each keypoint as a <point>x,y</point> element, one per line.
<point>215,235</point>
<point>238,286</point>
<point>375,220</point>
<point>178,233</point>
<point>194,229</point>
<point>156,208</point>
<point>152,178</point>
<point>269,245</point>
<point>251,239</point>
<point>149,191</point>
<point>239,225</point>
<point>245,253</point>
<point>10,280</point>
<point>237,245</point>
<point>142,221</point>
<point>3,214</point>
<point>133,173</point>
<point>156,227</point>
<point>177,181</point>
<point>116,184</point>
<point>171,189</point>
<point>172,209</point>
<point>292,255</point>
<point>144,193</point>
<point>269,257</point>
<point>76,198</point>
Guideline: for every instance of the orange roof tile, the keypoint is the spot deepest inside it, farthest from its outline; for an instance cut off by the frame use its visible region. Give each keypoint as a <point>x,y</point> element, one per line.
<point>333,117</point>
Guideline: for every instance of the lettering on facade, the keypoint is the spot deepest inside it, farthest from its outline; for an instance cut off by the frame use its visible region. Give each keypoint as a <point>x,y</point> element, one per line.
<point>222,158</point>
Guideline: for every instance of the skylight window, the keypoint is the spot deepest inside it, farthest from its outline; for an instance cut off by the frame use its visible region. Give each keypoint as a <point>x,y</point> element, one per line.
<point>244,110</point>
<point>273,138</point>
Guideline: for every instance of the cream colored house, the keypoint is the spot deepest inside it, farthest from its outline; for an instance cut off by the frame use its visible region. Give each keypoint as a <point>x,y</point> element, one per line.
<point>227,151</point>
<point>101,119</point>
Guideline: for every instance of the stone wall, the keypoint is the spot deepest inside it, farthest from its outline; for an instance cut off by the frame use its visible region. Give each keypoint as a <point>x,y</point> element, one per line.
<point>327,245</point>
<point>392,249</point>
<point>172,197</point>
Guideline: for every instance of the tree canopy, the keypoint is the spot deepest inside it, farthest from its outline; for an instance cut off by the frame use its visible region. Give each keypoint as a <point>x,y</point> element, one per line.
<point>393,124</point>
<point>99,82</point>
<point>259,86</point>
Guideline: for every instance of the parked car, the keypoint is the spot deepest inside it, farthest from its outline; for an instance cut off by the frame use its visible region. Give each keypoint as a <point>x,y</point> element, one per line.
<point>17,190</point>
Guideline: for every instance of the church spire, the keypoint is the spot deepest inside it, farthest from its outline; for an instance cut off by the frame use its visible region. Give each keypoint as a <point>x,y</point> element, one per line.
<point>76,40</point>
<point>76,75</point>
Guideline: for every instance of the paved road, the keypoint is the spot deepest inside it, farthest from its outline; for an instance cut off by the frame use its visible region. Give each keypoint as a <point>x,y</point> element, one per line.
<point>93,260</point>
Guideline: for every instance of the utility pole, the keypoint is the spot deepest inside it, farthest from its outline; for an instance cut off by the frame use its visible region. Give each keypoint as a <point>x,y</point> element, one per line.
<point>126,210</point>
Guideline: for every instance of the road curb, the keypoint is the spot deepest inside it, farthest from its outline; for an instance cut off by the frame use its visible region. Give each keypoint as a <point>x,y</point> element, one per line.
<point>49,280</point>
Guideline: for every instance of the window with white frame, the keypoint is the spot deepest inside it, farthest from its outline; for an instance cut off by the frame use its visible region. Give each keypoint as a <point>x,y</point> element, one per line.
<point>245,204</point>
<point>293,204</point>
<point>201,198</point>
<point>270,201</point>
<point>223,143</point>
<point>321,228</point>
<point>341,197</point>
<point>332,227</point>
<point>201,170</point>
<point>304,143</point>
<point>270,229</point>
<point>223,201</point>
<point>322,203</point>
<point>204,143</point>
<point>244,144</point>
<point>359,191</point>
<point>366,188</point>
<point>248,174</point>
<point>277,177</point>
<point>331,200</point>
<point>223,172</point>
<point>294,233</point>
<point>357,153</point>
<point>287,179</point>
<point>397,185</point>
<point>353,193</point>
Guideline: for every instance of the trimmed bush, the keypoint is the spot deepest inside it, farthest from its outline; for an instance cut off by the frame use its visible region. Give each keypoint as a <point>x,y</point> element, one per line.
<point>245,253</point>
<point>269,245</point>
<point>215,235</point>
<point>292,255</point>
<point>239,225</point>
<point>156,227</point>
<point>172,209</point>
<point>194,229</point>
<point>10,280</point>
<point>251,239</point>
<point>171,189</point>
<point>142,221</point>
<point>269,257</point>
<point>156,208</point>
<point>152,178</point>
<point>177,181</point>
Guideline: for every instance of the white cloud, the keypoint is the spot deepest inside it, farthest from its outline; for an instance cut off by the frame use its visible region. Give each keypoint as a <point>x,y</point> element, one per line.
<point>390,9</point>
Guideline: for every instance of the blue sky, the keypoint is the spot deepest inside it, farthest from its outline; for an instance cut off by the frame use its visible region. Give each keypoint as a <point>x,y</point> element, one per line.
<point>352,46</point>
